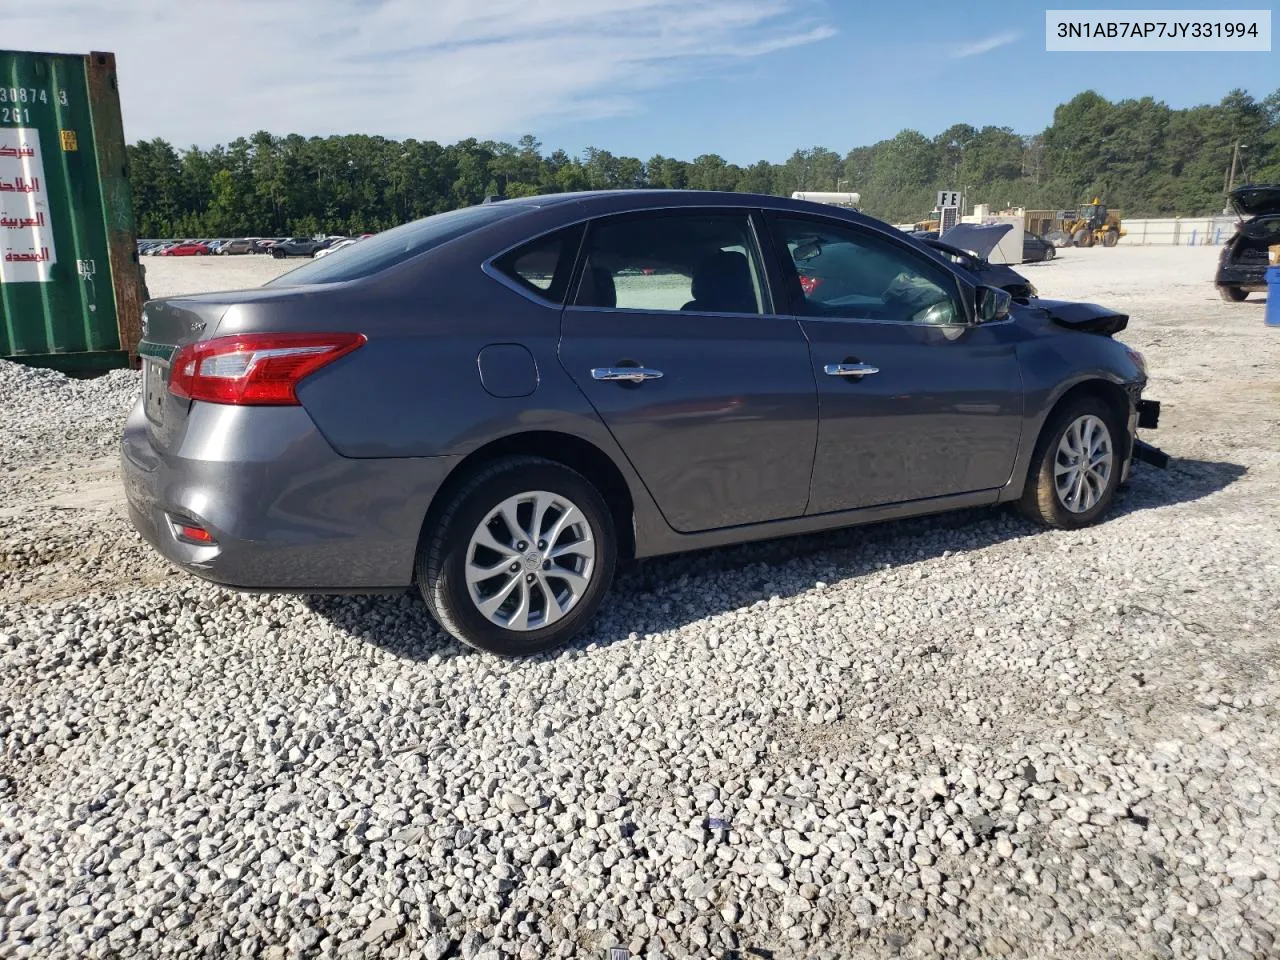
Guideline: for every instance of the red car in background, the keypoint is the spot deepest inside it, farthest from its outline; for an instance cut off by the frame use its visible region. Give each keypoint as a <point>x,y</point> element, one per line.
<point>191,249</point>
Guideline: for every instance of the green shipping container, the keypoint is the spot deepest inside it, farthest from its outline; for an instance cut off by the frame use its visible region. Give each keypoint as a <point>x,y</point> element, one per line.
<point>70,286</point>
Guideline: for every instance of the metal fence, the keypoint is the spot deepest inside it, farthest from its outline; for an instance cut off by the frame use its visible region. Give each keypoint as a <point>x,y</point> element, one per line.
<point>1179,231</point>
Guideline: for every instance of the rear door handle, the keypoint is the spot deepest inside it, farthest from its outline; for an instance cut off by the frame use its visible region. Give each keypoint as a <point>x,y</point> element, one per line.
<point>849,369</point>
<point>626,374</point>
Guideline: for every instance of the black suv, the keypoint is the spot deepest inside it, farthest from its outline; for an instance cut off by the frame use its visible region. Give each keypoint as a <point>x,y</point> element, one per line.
<point>1242,266</point>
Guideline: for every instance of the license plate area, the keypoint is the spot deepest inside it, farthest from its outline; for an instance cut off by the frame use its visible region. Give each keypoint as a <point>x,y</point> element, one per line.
<point>154,388</point>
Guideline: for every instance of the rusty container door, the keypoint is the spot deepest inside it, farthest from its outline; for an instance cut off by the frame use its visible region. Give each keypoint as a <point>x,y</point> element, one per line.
<point>70,286</point>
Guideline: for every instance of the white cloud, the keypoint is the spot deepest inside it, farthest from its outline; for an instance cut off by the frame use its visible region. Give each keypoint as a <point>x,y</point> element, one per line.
<point>205,72</point>
<point>985,45</point>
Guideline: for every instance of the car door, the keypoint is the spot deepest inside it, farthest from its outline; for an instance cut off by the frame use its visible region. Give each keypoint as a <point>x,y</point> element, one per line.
<point>672,336</point>
<point>915,400</point>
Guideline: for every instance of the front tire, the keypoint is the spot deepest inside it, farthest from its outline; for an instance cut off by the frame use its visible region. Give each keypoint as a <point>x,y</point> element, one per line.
<point>1082,238</point>
<point>1232,294</point>
<point>1075,468</point>
<point>521,558</point>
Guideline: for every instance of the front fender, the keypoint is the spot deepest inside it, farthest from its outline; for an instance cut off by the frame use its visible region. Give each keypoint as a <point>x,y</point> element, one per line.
<point>1054,366</point>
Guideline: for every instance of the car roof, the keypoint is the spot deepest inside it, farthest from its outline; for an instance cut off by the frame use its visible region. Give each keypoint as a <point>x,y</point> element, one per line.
<point>591,203</point>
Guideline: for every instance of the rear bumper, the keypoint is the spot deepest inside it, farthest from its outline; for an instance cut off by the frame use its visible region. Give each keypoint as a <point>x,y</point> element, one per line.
<point>1250,278</point>
<point>286,511</point>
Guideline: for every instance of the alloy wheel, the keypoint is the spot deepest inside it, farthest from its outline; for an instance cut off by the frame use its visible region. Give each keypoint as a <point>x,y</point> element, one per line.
<point>530,560</point>
<point>1083,463</point>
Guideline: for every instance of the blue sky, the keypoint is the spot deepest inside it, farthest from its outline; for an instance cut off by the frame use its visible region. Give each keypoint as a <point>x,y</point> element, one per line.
<point>747,79</point>
<point>882,72</point>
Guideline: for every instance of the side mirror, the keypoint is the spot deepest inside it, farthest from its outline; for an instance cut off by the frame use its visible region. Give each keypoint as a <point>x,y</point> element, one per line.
<point>993,304</point>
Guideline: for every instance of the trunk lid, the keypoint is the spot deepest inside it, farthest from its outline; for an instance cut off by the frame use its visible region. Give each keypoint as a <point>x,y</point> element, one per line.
<point>1255,201</point>
<point>171,323</point>
<point>168,325</point>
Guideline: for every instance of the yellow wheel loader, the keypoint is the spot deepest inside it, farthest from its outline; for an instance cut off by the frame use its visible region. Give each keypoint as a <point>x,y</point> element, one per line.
<point>1094,224</point>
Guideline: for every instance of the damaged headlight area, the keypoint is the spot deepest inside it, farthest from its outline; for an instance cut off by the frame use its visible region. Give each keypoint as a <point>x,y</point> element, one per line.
<point>1138,359</point>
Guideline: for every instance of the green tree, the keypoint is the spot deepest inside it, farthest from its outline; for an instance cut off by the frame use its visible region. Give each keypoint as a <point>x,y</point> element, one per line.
<point>1137,155</point>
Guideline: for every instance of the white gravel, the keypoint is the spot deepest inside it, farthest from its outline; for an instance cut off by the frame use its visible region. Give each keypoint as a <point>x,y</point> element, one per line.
<point>958,737</point>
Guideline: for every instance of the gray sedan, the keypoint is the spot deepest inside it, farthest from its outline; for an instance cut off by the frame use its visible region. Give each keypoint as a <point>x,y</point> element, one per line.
<point>500,403</point>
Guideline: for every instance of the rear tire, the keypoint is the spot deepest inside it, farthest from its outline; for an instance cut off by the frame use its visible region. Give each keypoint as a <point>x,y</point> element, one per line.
<point>1232,294</point>
<point>1111,238</point>
<point>1066,487</point>
<point>548,537</point>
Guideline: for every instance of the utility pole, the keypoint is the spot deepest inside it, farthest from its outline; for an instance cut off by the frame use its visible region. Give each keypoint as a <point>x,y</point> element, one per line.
<point>1231,173</point>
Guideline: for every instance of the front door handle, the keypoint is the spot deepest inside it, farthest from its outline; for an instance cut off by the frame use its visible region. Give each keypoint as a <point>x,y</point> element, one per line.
<point>626,374</point>
<point>858,370</point>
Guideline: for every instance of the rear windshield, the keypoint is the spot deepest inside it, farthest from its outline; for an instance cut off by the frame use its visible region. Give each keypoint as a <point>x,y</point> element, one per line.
<point>384,250</point>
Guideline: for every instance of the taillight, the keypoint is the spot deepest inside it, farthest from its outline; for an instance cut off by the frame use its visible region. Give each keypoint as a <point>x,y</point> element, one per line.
<point>809,284</point>
<point>255,369</point>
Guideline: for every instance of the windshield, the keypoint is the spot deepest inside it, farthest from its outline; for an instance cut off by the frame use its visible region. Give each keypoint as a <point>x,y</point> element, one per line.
<point>384,250</point>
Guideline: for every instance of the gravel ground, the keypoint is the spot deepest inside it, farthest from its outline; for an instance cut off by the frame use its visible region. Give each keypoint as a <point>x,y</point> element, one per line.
<point>956,737</point>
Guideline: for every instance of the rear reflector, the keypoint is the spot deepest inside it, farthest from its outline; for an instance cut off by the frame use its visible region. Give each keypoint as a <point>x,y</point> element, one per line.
<point>255,369</point>
<point>193,534</point>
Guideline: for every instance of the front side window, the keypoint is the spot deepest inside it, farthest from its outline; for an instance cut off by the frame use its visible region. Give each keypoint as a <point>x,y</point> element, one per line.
<point>692,263</point>
<point>848,273</point>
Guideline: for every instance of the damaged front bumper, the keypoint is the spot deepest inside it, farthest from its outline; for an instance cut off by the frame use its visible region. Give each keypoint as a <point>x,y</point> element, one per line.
<point>1149,419</point>
<point>1145,416</point>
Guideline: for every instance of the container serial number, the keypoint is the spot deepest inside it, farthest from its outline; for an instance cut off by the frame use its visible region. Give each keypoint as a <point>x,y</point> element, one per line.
<point>31,95</point>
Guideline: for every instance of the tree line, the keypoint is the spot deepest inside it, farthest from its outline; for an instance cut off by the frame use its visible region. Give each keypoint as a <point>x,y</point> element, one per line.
<point>1139,156</point>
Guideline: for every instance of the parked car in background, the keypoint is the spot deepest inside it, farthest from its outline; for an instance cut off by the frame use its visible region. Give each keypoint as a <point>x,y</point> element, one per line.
<point>187,248</point>
<point>298,247</point>
<point>1242,265</point>
<point>236,247</point>
<point>1036,249</point>
<point>498,403</point>
<point>265,245</point>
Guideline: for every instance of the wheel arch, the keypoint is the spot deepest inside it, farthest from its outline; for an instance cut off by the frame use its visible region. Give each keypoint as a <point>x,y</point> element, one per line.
<point>563,448</point>
<point>1113,394</point>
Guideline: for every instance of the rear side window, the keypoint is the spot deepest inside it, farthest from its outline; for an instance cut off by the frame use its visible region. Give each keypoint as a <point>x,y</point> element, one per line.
<point>543,266</point>
<point>690,262</point>
<point>384,250</point>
